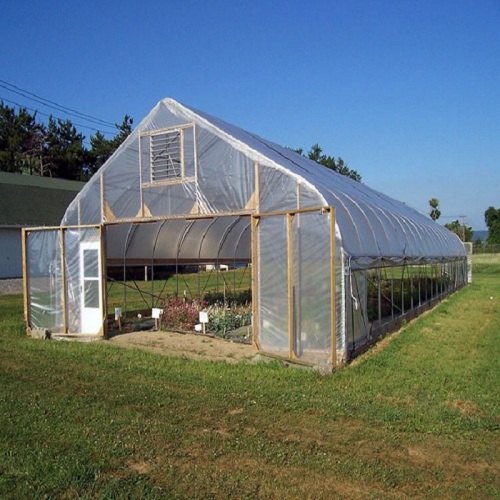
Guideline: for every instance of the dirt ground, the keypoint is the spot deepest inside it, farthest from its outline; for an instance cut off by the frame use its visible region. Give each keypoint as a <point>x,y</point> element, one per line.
<point>195,346</point>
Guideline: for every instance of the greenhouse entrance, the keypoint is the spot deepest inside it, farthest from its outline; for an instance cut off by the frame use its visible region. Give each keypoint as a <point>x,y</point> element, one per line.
<point>91,303</point>
<point>174,268</point>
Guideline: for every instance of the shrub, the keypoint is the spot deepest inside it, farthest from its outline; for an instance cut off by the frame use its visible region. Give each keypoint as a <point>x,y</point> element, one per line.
<point>180,313</point>
<point>225,319</point>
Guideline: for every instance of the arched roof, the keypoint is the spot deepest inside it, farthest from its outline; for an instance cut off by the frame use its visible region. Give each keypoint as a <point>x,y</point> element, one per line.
<point>372,228</point>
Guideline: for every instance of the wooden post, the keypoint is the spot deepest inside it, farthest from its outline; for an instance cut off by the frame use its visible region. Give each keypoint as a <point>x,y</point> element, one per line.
<point>25,233</point>
<point>290,294</point>
<point>255,282</point>
<point>104,281</point>
<point>257,187</point>
<point>333,288</point>
<point>63,279</point>
<point>141,181</point>
<point>103,210</point>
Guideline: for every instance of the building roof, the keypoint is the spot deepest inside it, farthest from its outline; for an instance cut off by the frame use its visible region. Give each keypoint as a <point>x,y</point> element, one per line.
<point>30,200</point>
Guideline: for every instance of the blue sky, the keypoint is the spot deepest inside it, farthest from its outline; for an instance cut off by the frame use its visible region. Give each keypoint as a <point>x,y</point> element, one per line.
<point>407,92</point>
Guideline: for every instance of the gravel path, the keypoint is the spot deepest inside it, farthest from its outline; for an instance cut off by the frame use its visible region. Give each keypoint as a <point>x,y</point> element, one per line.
<point>11,286</point>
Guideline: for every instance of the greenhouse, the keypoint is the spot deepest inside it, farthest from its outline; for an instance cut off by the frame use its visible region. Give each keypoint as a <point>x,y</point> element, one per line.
<point>331,263</point>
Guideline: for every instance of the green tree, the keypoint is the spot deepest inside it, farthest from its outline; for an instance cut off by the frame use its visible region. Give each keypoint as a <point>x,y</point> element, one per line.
<point>56,149</point>
<point>464,232</point>
<point>435,213</point>
<point>65,155</point>
<point>102,148</point>
<point>492,219</point>
<point>21,140</point>
<point>338,165</point>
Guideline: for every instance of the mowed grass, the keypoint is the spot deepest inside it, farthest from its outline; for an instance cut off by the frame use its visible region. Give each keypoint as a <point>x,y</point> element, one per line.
<point>418,418</point>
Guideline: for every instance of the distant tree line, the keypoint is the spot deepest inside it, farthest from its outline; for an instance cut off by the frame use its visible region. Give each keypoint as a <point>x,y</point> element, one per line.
<point>492,219</point>
<point>54,149</point>
<point>336,164</point>
<point>465,233</point>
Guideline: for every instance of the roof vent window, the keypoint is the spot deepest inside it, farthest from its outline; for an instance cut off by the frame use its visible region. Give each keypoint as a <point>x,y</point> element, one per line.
<point>166,156</point>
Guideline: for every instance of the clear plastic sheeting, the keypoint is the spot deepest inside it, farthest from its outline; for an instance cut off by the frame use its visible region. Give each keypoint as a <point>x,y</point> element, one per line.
<point>272,282</point>
<point>294,276</point>
<point>312,287</point>
<point>219,239</point>
<point>44,276</point>
<point>59,298</point>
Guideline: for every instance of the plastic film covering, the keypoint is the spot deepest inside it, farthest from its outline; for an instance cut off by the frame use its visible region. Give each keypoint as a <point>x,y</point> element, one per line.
<point>375,228</point>
<point>52,296</point>
<point>272,284</point>
<point>86,207</point>
<point>221,239</point>
<point>304,298</point>
<point>312,287</point>
<point>225,175</point>
<point>278,191</point>
<point>356,305</point>
<point>45,293</point>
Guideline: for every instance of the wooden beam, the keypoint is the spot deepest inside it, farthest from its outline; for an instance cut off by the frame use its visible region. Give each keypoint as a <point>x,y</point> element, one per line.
<point>173,128</point>
<point>108,213</point>
<point>321,210</point>
<point>134,220</point>
<point>103,209</point>
<point>257,187</point>
<point>168,182</point>
<point>141,180</point>
<point>104,281</point>
<point>290,294</point>
<point>333,288</point>
<point>24,236</point>
<point>183,169</point>
<point>62,247</point>
<point>255,283</point>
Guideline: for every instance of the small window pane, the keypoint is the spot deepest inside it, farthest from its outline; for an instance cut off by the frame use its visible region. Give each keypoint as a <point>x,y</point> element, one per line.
<point>91,293</point>
<point>91,263</point>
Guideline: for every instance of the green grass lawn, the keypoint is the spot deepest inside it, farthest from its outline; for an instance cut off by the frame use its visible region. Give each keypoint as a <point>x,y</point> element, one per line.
<point>417,418</point>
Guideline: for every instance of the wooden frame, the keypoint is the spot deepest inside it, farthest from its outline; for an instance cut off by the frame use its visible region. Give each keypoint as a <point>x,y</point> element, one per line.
<point>24,236</point>
<point>61,231</point>
<point>289,216</point>
<point>63,280</point>
<point>333,288</point>
<point>104,281</point>
<point>290,286</point>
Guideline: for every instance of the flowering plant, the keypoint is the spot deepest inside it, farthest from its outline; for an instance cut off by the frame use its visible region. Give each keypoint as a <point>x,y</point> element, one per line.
<point>180,313</point>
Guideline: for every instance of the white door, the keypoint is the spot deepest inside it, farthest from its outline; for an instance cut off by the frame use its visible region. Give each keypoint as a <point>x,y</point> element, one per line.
<point>90,265</point>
